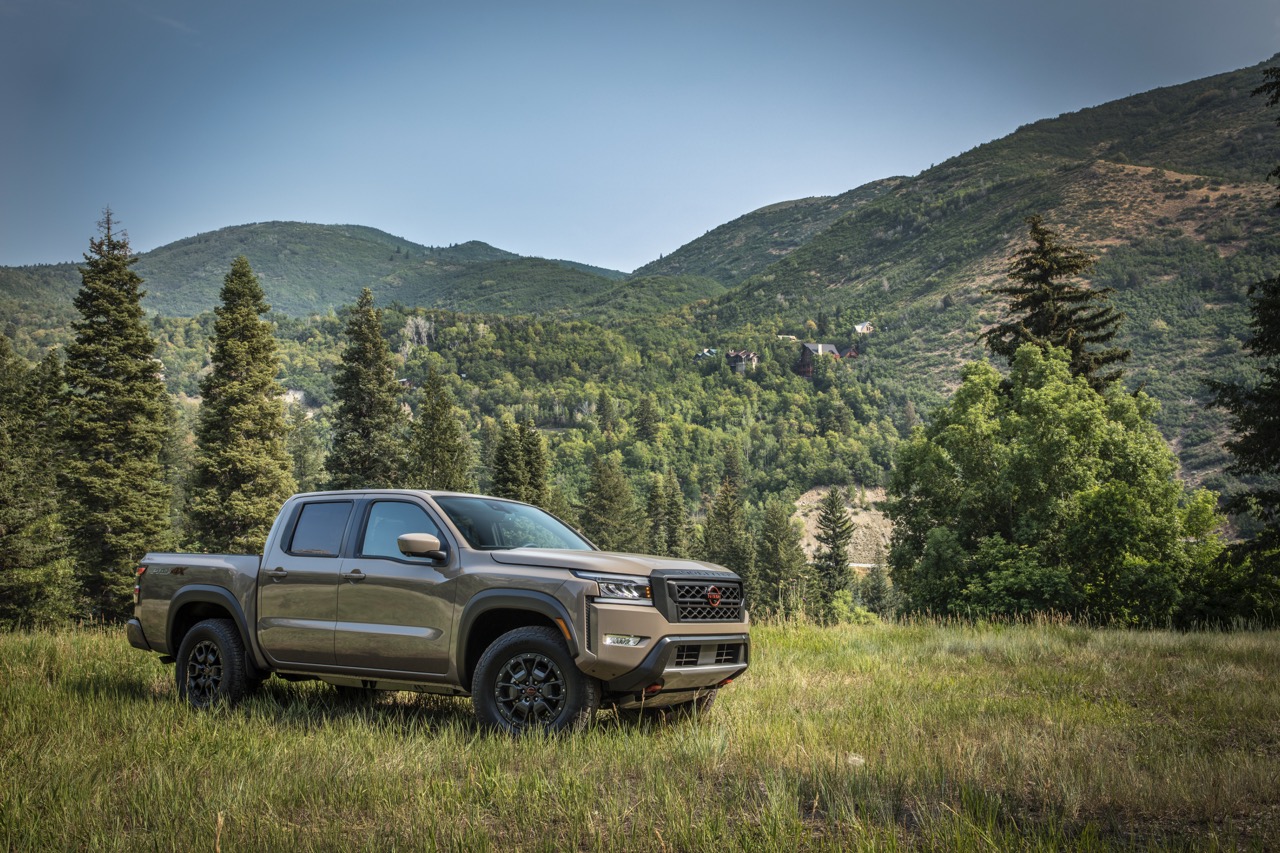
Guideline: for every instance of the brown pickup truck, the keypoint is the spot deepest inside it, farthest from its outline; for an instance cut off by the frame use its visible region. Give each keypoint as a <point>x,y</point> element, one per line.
<point>446,593</point>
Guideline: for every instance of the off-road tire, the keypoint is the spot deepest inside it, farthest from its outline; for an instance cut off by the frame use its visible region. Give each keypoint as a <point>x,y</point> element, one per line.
<point>526,681</point>
<point>211,667</point>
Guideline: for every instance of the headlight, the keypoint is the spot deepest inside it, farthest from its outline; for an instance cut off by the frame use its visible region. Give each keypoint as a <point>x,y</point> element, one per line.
<point>620,589</point>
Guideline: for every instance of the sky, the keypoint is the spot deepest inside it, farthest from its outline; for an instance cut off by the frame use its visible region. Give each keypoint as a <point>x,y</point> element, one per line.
<point>599,131</point>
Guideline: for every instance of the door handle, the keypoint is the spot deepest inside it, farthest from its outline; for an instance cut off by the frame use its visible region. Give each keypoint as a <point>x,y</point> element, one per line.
<point>353,575</point>
<point>277,573</point>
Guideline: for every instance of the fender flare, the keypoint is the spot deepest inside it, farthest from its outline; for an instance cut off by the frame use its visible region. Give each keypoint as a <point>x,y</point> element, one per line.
<point>199,593</point>
<point>512,599</point>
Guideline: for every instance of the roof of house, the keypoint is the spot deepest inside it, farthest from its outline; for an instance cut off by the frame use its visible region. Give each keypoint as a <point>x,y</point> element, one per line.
<point>823,349</point>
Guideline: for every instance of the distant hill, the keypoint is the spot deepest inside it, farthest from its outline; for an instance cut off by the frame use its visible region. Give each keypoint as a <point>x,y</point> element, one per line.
<point>306,268</point>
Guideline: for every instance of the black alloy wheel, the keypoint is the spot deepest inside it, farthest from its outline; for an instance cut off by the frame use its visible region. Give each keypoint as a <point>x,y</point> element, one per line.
<point>211,665</point>
<point>526,681</point>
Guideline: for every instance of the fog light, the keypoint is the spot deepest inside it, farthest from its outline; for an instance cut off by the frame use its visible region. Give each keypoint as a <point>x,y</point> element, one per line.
<point>622,640</point>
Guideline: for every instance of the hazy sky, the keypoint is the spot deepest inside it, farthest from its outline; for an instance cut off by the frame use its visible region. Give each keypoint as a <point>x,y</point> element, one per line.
<point>605,132</point>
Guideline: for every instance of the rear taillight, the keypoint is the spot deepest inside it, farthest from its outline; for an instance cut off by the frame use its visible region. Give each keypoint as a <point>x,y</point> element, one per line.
<point>137,585</point>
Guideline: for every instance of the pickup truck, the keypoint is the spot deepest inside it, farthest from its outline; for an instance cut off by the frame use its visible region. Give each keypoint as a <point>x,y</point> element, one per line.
<point>447,593</point>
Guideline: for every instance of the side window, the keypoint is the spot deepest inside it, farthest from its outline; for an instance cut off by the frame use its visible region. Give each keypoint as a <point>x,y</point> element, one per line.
<point>389,519</point>
<point>318,532</point>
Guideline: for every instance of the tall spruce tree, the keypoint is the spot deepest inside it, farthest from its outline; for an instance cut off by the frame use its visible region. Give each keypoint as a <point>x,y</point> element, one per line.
<point>117,417</point>
<point>534,452</point>
<point>1047,308</point>
<point>831,562</point>
<point>440,454</point>
<point>37,583</point>
<point>243,469</point>
<point>370,425</point>
<point>510,473</point>
<point>306,448</point>
<point>656,516</point>
<point>725,538</point>
<point>780,562</point>
<point>676,524</point>
<point>610,517</point>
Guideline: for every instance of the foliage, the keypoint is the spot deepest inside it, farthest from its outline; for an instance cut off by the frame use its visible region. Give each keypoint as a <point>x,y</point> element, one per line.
<point>243,468</point>
<point>439,455</point>
<point>831,561</point>
<point>610,517</point>
<point>1050,497</point>
<point>520,465</point>
<point>369,424</point>
<point>116,496</point>
<point>37,583</point>
<point>782,571</point>
<point>1048,310</point>
<point>306,444</point>
<point>725,538</point>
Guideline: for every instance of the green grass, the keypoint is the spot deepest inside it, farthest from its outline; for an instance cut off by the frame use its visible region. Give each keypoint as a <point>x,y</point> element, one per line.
<point>883,737</point>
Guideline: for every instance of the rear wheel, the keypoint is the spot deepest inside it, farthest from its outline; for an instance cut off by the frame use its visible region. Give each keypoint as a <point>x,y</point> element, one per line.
<point>527,681</point>
<point>211,667</point>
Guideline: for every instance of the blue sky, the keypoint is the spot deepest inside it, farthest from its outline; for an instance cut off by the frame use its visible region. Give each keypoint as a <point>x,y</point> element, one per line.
<point>604,132</point>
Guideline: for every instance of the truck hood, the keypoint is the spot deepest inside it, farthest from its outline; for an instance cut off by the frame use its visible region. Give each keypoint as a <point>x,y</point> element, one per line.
<point>607,562</point>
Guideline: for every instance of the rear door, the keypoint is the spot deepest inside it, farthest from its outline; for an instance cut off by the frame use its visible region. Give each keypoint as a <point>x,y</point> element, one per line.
<point>394,612</point>
<point>298,584</point>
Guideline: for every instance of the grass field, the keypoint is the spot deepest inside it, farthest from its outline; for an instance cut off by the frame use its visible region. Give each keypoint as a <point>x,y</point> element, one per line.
<point>917,736</point>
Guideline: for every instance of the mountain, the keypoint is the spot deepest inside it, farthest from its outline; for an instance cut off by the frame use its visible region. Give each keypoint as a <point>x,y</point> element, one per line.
<point>306,269</point>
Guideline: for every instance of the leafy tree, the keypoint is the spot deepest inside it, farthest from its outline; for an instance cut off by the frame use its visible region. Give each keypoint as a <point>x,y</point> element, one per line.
<point>118,415</point>
<point>306,448</point>
<point>726,540</point>
<point>369,425</point>
<point>37,582</point>
<point>439,449</point>
<point>1047,309</point>
<point>831,562</point>
<point>1045,496</point>
<point>243,470</point>
<point>610,517</point>
<point>780,561</point>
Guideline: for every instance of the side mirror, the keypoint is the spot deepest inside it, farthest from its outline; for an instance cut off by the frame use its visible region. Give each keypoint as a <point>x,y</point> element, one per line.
<point>421,545</point>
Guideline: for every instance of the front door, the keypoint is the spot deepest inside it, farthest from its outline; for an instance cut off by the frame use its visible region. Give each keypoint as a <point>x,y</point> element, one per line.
<point>394,611</point>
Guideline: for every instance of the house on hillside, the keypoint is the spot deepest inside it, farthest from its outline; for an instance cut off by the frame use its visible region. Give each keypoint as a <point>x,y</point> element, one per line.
<point>740,360</point>
<point>707,352</point>
<point>809,353</point>
<point>864,328</point>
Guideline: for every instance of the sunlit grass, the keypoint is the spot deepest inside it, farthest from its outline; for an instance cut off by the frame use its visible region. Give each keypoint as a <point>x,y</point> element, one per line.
<point>917,736</point>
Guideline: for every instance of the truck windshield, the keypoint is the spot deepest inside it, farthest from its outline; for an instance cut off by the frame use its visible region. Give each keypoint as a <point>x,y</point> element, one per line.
<point>490,524</point>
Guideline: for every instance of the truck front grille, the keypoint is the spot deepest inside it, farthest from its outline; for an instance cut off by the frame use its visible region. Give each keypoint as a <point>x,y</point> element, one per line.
<point>702,601</point>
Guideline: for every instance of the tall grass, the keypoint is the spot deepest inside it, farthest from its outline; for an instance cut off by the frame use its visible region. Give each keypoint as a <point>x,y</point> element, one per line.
<point>912,736</point>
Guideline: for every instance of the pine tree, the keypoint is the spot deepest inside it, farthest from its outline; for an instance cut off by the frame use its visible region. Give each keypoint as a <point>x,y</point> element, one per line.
<point>533,451</point>
<point>117,417</point>
<point>606,414</point>
<point>780,562</point>
<point>876,590</point>
<point>676,523</point>
<point>610,517</point>
<point>831,562</point>
<point>439,449</point>
<point>647,418</point>
<point>1047,309</point>
<point>369,427</point>
<point>510,472</point>
<point>656,517</point>
<point>243,469</point>
<point>37,583</point>
<point>725,538</point>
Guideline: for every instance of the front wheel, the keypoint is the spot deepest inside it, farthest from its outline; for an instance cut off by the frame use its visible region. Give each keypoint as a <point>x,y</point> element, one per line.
<point>526,681</point>
<point>211,666</point>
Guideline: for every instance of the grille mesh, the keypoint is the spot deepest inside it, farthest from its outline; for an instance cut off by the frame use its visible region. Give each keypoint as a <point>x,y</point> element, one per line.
<point>694,601</point>
<point>687,655</point>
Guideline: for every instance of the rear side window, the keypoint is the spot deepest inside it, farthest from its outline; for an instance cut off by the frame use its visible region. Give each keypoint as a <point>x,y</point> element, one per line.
<point>318,532</point>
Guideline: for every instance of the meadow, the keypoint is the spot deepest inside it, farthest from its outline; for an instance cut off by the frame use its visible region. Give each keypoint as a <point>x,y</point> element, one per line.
<point>913,736</point>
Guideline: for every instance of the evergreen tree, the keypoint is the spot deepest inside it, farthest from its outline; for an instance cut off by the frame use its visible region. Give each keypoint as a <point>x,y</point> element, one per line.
<point>676,523</point>
<point>1047,309</point>
<point>117,415</point>
<point>510,470</point>
<point>533,451</point>
<point>439,449</point>
<point>243,470</point>
<point>37,582</point>
<point>725,538</point>
<point>780,562</point>
<point>831,562</point>
<point>610,517</point>
<point>606,414</point>
<point>647,418</point>
<point>877,591</point>
<point>369,426</point>
<point>306,448</point>
<point>656,517</point>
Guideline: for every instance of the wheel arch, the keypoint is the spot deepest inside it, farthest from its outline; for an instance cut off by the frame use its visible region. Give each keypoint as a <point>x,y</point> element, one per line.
<point>492,613</point>
<point>197,602</point>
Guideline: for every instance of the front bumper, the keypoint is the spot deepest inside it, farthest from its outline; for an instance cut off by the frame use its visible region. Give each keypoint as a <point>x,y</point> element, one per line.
<point>686,663</point>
